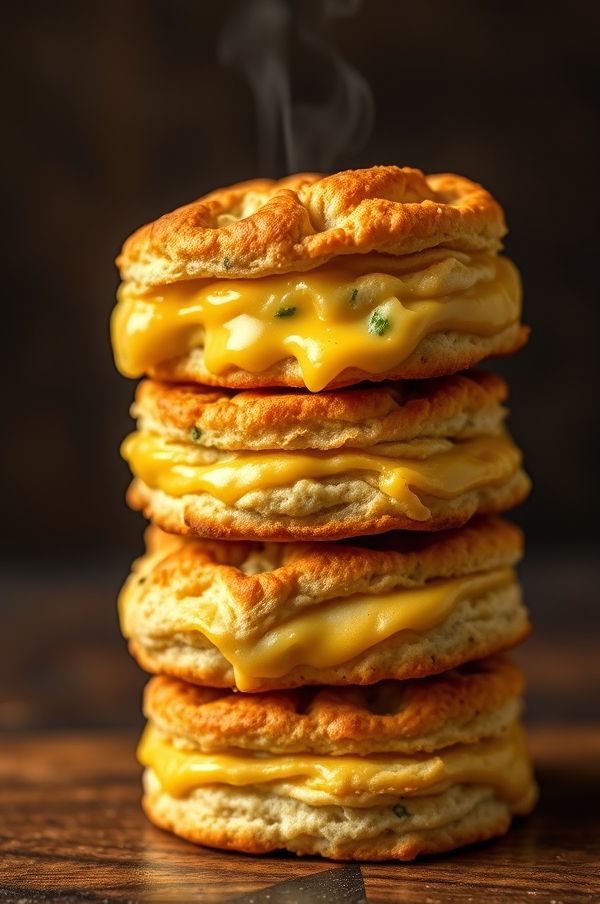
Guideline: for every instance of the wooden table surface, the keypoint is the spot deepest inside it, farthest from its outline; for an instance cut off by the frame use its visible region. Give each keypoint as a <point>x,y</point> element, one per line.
<point>71,830</point>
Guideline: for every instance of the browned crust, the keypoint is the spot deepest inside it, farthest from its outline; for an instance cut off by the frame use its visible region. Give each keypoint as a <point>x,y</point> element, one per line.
<point>322,572</point>
<point>315,720</point>
<point>403,848</point>
<point>230,523</point>
<point>403,410</point>
<point>430,359</point>
<point>331,570</point>
<point>304,220</point>
<point>354,672</point>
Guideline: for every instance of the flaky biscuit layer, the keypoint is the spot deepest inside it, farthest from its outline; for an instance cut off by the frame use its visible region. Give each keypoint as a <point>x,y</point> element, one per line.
<point>476,628</point>
<point>264,227</point>
<point>478,700</point>
<point>258,822</point>
<point>326,509</point>
<point>250,589</point>
<point>257,580</point>
<point>466,404</point>
<point>198,426</point>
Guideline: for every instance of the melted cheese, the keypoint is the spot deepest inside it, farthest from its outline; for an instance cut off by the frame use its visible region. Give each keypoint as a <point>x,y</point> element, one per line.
<point>327,634</point>
<point>448,474</point>
<point>323,318</point>
<point>502,764</point>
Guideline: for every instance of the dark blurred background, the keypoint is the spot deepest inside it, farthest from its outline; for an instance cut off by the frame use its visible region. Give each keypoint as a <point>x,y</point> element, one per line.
<point>118,111</point>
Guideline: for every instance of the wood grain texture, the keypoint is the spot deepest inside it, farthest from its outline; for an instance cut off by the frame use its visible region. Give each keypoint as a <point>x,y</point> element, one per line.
<point>71,831</point>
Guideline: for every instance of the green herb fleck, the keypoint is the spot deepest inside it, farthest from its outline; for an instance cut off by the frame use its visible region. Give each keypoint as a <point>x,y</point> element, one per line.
<point>195,434</point>
<point>378,323</point>
<point>285,312</point>
<point>400,811</point>
<point>227,263</point>
<point>353,296</point>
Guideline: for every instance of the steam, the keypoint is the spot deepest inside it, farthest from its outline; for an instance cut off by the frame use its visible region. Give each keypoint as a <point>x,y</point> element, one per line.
<point>312,105</point>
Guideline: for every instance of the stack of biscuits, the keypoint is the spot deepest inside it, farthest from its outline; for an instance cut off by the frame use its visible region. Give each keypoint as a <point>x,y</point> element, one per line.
<point>327,588</point>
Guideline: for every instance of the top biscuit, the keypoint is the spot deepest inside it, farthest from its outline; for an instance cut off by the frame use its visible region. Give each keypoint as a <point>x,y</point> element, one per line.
<point>318,282</point>
<point>262,227</point>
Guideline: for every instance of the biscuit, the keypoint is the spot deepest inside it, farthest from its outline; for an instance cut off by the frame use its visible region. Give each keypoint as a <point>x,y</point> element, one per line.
<point>419,456</point>
<point>393,771</point>
<point>255,822</point>
<point>478,700</point>
<point>262,227</point>
<point>459,406</point>
<point>266,616</point>
<point>319,282</point>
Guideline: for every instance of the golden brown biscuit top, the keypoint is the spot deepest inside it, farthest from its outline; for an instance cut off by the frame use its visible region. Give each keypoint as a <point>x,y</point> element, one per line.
<point>454,407</point>
<point>386,716</point>
<point>263,227</point>
<point>254,584</point>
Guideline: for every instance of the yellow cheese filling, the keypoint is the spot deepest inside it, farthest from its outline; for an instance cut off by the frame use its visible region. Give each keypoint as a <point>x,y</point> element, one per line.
<point>458,468</point>
<point>327,634</point>
<point>499,763</point>
<point>328,319</point>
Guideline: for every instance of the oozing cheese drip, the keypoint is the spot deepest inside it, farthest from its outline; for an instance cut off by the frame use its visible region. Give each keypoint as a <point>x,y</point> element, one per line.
<point>322,318</point>
<point>324,635</point>
<point>502,764</point>
<point>463,466</point>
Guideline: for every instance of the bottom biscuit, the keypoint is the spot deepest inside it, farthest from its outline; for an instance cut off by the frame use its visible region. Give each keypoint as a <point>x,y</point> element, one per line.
<point>375,806</point>
<point>256,822</point>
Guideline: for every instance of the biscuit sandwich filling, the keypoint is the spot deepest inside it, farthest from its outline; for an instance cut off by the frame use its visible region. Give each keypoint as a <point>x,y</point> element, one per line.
<point>368,312</point>
<point>360,781</point>
<point>330,633</point>
<point>443,469</point>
